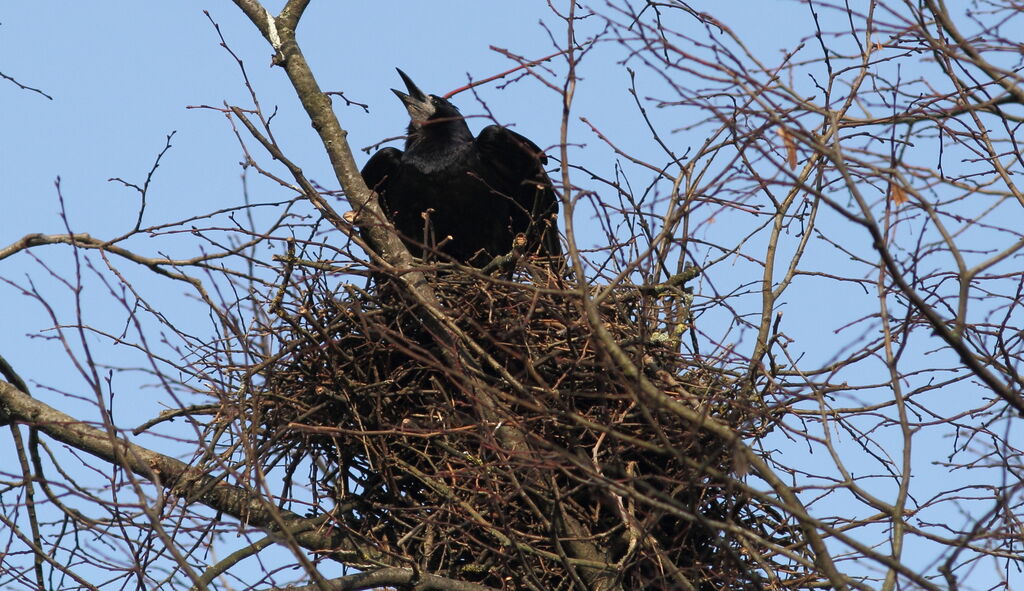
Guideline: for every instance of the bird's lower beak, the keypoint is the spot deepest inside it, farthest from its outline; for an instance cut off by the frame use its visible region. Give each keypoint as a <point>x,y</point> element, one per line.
<point>417,103</point>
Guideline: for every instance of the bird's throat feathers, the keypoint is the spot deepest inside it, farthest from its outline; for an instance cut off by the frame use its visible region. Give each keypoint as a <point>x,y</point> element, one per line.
<point>437,144</point>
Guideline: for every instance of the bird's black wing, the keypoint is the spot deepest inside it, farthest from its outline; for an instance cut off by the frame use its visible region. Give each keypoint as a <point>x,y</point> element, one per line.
<point>378,171</point>
<point>380,168</point>
<point>515,166</point>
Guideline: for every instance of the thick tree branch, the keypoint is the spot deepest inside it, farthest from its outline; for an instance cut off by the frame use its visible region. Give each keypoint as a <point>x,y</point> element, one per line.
<point>183,480</point>
<point>394,577</point>
<point>280,33</point>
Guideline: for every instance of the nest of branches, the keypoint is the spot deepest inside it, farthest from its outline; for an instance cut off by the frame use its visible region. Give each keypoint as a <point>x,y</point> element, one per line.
<point>509,450</point>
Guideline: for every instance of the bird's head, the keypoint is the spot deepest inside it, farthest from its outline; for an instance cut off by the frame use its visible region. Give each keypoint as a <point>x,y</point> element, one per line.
<point>425,109</point>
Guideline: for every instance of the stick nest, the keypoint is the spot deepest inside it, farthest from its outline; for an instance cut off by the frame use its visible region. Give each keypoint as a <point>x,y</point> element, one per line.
<point>510,450</point>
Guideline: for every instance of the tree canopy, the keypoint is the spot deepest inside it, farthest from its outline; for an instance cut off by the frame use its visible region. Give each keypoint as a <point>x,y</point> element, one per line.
<point>785,352</point>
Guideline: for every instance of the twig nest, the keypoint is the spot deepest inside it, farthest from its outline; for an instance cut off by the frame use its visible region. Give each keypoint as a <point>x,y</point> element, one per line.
<point>470,454</point>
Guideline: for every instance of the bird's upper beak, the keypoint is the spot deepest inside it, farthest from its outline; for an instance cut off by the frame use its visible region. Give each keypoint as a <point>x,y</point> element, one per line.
<point>418,104</point>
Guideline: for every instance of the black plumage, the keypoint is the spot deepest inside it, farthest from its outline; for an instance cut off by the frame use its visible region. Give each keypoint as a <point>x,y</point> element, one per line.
<point>464,198</point>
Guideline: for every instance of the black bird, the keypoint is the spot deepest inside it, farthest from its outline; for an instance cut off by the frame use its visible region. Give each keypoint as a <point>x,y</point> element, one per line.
<point>465,198</point>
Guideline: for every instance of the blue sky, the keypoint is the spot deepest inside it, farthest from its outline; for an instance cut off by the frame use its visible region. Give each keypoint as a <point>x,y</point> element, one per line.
<point>123,74</point>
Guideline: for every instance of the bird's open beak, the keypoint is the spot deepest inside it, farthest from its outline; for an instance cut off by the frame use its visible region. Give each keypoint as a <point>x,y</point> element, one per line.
<point>418,104</point>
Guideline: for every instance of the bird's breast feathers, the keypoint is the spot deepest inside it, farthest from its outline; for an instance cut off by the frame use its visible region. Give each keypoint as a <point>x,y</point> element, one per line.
<point>432,159</point>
